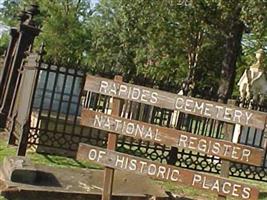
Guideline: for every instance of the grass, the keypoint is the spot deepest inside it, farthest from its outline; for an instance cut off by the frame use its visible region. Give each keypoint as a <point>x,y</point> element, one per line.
<point>180,190</point>
<point>41,159</point>
<point>189,192</point>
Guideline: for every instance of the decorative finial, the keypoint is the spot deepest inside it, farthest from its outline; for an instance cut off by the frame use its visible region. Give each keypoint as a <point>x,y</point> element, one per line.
<point>23,16</point>
<point>32,12</point>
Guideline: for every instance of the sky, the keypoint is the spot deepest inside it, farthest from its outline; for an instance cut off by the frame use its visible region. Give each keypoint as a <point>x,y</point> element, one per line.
<point>2,27</point>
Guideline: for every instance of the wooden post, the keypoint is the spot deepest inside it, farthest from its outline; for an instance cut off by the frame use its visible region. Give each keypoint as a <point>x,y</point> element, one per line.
<point>112,143</point>
<point>225,164</point>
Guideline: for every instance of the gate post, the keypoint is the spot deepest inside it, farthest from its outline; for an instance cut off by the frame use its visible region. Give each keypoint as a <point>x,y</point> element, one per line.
<point>27,32</point>
<point>24,102</point>
<point>6,69</point>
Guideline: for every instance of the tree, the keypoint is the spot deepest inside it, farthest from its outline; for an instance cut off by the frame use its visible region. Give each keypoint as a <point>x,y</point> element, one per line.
<point>233,35</point>
<point>9,11</point>
<point>159,43</point>
<point>64,28</point>
<point>235,15</point>
<point>64,31</point>
<point>151,42</point>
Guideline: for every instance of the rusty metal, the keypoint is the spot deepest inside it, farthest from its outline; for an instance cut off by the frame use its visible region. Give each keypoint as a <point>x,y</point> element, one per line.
<point>27,31</point>
<point>7,72</point>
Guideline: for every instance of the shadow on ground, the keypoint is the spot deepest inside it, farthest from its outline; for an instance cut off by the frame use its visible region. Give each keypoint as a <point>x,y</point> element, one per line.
<point>263,195</point>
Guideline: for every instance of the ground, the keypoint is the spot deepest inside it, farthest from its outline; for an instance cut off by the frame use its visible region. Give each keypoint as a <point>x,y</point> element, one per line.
<point>185,193</point>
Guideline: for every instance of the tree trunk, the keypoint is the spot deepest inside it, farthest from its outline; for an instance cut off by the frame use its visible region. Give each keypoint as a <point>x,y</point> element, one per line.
<point>232,51</point>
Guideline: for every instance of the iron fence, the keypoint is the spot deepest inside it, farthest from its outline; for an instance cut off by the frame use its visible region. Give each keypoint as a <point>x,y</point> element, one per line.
<point>55,125</point>
<point>54,96</point>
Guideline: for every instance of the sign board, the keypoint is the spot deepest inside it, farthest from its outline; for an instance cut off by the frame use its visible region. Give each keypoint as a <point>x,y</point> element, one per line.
<point>165,172</point>
<point>204,108</point>
<point>172,137</point>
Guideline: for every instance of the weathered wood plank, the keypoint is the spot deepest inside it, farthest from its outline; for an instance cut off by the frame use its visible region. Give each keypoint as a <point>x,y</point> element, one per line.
<point>165,172</point>
<point>210,109</point>
<point>172,137</point>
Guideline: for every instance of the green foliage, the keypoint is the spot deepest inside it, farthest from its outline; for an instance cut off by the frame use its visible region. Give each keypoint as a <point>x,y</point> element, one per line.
<point>64,23</point>
<point>163,42</point>
<point>9,11</point>
<point>65,32</point>
<point>152,42</point>
<point>4,39</point>
<point>159,43</point>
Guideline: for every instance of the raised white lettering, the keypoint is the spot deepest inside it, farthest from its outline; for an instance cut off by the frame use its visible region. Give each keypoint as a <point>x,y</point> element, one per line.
<point>235,190</point>
<point>246,193</point>
<point>92,155</point>
<point>173,177</point>
<point>207,110</point>
<point>119,161</point>
<point>152,169</point>
<point>189,104</point>
<point>225,191</point>
<point>154,97</point>
<point>123,89</point>
<point>130,128</point>
<point>136,93</point>
<point>103,86</point>
<point>202,146</point>
<point>237,116</point>
<point>199,108</point>
<point>161,171</point>
<point>179,103</point>
<point>216,148</point>
<point>196,179</point>
<point>145,94</point>
<point>248,117</point>
<point>245,154</point>
<point>234,152</point>
<point>227,114</point>
<point>182,141</point>
<point>132,165</point>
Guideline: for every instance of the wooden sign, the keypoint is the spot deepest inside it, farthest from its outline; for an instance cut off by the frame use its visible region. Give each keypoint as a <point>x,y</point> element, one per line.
<point>164,172</point>
<point>172,137</point>
<point>214,110</point>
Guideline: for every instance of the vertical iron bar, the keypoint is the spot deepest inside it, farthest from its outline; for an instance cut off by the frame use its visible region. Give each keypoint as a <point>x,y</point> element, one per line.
<point>69,101</point>
<point>44,90</point>
<point>61,98</point>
